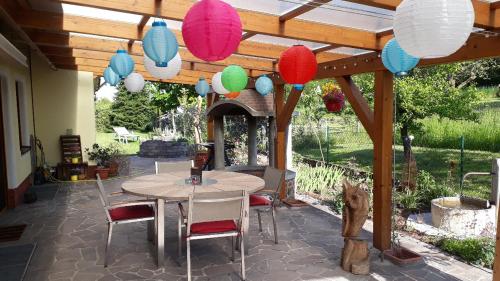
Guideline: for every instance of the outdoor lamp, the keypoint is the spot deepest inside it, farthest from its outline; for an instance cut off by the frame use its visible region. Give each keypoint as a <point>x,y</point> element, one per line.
<point>169,72</point>
<point>433,28</point>
<point>160,44</point>
<point>234,79</point>
<point>212,30</point>
<point>111,77</point>
<point>297,66</point>
<point>202,88</point>
<point>122,64</point>
<point>396,60</point>
<point>217,84</point>
<point>134,82</point>
<point>264,85</point>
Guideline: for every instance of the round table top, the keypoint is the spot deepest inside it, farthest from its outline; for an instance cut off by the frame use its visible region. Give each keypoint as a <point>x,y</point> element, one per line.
<point>171,186</point>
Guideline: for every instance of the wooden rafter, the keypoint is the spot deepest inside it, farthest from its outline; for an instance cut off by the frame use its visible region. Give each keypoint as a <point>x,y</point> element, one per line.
<point>324,48</point>
<point>495,5</point>
<point>302,9</point>
<point>247,35</point>
<point>284,116</point>
<point>255,22</point>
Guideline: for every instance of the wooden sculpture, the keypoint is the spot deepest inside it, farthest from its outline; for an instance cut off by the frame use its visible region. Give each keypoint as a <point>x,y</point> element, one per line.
<point>355,254</point>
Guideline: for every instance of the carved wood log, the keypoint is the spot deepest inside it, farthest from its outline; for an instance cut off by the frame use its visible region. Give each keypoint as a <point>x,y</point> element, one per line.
<point>356,207</point>
<point>356,256</point>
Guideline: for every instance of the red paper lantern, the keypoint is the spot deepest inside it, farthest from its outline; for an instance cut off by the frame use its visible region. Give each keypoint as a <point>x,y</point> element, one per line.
<point>298,66</point>
<point>212,30</point>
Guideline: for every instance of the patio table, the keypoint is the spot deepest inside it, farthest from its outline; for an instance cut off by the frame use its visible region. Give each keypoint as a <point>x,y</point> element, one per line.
<point>172,187</point>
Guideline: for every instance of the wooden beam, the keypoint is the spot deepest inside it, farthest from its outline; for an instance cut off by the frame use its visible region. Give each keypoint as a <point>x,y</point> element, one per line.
<point>383,159</point>
<point>477,47</point>
<point>302,9</point>
<point>247,35</point>
<point>280,141</point>
<point>358,103</point>
<point>324,48</point>
<point>253,21</point>
<point>495,5</point>
<point>286,113</point>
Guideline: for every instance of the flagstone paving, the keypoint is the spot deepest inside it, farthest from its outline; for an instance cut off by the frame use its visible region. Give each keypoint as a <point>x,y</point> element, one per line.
<point>69,228</point>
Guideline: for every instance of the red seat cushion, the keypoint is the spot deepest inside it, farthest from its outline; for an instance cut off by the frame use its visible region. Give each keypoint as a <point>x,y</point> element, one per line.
<point>258,200</point>
<point>213,227</point>
<point>131,212</point>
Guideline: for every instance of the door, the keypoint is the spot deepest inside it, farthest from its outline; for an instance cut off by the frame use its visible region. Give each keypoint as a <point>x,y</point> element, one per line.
<point>3,164</point>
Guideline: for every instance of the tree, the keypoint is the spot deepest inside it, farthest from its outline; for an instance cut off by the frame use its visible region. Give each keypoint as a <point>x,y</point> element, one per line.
<point>102,115</point>
<point>133,110</point>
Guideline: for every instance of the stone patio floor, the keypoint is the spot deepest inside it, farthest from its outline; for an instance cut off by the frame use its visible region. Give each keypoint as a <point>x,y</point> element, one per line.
<point>68,225</point>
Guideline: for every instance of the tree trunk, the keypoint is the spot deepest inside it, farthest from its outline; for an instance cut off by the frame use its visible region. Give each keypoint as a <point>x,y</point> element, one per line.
<point>197,117</point>
<point>406,142</point>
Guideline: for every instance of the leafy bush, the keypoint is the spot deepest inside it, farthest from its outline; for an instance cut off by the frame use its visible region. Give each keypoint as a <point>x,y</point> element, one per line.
<point>408,199</point>
<point>320,180</point>
<point>102,115</point>
<point>478,251</point>
<point>428,189</point>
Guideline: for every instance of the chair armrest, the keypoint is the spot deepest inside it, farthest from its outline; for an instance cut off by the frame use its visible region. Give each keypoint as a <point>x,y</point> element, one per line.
<point>269,192</point>
<point>116,193</point>
<point>132,203</point>
<point>182,211</point>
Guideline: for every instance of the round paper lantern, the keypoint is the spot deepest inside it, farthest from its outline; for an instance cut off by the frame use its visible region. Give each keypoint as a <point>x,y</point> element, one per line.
<point>202,88</point>
<point>264,85</point>
<point>234,78</point>
<point>169,72</point>
<point>212,30</point>
<point>396,60</point>
<point>160,44</point>
<point>217,84</point>
<point>122,64</point>
<point>433,28</point>
<point>298,66</point>
<point>134,82</point>
<point>232,95</point>
<point>111,77</point>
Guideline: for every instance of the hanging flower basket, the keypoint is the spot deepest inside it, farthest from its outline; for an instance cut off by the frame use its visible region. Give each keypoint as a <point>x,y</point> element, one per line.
<point>333,97</point>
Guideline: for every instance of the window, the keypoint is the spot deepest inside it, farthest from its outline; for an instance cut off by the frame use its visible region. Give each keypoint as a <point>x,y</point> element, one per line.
<point>22,118</point>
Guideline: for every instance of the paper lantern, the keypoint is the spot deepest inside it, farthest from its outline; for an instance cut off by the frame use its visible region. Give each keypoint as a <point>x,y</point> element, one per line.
<point>433,28</point>
<point>396,60</point>
<point>122,64</point>
<point>202,88</point>
<point>234,78</point>
<point>134,82</point>
<point>298,66</point>
<point>232,95</point>
<point>111,77</point>
<point>160,44</point>
<point>212,30</point>
<point>264,85</point>
<point>217,84</point>
<point>169,72</point>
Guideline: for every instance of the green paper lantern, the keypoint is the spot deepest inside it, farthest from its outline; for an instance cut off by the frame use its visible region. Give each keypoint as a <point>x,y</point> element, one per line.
<point>234,78</point>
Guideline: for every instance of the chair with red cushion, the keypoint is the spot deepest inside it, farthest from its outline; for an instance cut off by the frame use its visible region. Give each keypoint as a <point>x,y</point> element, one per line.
<point>128,212</point>
<point>215,215</point>
<point>266,199</point>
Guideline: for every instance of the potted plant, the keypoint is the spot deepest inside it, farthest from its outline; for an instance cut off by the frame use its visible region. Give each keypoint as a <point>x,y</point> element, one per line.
<point>333,97</point>
<point>114,163</point>
<point>102,157</point>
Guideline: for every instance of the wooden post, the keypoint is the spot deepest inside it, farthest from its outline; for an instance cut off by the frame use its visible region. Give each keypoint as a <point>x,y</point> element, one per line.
<point>280,143</point>
<point>210,119</point>
<point>383,157</point>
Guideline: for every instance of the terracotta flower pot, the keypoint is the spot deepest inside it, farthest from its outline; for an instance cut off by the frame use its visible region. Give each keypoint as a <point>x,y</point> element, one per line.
<point>402,256</point>
<point>113,169</point>
<point>102,172</point>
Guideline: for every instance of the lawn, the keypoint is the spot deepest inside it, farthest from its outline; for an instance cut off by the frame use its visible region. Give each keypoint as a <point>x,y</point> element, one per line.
<point>131,148</point>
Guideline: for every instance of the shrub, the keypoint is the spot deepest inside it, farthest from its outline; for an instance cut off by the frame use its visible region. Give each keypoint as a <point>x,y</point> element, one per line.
<point>408,199</point>
<point>321,180</point>
<point>478,251</point>
<point>429,189</point>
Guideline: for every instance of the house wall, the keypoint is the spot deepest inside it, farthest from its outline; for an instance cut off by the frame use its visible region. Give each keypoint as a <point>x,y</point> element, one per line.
<point>63,99</point>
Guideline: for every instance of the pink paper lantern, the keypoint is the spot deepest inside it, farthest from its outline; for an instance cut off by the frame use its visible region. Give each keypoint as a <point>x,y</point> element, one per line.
<point>212,30</point>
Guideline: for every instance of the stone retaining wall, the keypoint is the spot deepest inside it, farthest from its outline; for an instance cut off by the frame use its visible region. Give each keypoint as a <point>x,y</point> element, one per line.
<point>163,149</point>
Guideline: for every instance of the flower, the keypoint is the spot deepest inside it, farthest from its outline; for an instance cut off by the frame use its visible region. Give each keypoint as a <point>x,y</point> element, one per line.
<point>330,88</point>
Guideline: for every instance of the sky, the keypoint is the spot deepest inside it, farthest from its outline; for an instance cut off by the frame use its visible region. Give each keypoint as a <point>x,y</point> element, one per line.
<point>106,91</point>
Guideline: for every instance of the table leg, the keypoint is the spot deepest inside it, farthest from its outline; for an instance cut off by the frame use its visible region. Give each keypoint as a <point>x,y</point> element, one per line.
<point>160,228</point>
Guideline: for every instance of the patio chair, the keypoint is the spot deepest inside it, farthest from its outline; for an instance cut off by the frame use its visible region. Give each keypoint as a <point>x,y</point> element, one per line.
<point>267,199</point>
<point>125,212</point>
<point>123,135</point>
<point>214,215</point>
<point>165,167</point>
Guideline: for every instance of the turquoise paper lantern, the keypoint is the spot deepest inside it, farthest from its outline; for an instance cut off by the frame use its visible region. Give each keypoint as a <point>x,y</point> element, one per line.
<point>202,88</point>
<point>160,44</point>
<point>122,64</point>
<point>396,60</point>
<point>264,85</point>
<point>111,77</point>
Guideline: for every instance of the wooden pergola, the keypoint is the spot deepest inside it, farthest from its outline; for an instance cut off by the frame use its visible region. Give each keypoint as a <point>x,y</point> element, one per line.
<point>69,41</point>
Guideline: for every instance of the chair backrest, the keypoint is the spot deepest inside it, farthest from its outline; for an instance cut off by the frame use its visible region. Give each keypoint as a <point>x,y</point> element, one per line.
<point>273,178</point>
<point>217,206</point>
<point>166,167</point>
<point>103,197</point>
<point>121,131</point>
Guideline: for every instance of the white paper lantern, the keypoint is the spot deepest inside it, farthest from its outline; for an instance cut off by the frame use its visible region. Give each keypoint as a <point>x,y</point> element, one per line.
<point>134,82</point>
<point>217,84</point>
<point>433,28</point>
<point>170,71</point>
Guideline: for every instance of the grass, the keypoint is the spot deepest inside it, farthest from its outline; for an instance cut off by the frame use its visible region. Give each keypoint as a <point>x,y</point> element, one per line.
<point>131,148</point>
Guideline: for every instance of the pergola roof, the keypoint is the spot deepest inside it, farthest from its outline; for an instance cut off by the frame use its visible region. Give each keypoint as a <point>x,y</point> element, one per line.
<point>84,34</point>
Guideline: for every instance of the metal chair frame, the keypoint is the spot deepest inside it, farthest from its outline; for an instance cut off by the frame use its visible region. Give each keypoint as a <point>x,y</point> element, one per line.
<point>107,207</point>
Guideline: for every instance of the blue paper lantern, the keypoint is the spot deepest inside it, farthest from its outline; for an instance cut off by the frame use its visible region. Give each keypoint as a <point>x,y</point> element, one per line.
<point>202,88</point>
<point>264,85</point>
<point>122,64</point>
<point>298,87</point>
<point>396,60</point>
<point>160,44</point>
<point>111,77</point>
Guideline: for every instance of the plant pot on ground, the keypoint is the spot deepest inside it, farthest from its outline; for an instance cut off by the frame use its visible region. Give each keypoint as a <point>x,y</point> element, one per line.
<point>102,157</point>
<point>103,172</point>
<point>402,256</point>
